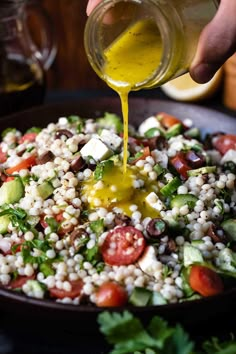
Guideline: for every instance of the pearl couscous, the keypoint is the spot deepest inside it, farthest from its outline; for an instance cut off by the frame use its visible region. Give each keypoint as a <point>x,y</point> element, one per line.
<point>76,229</point>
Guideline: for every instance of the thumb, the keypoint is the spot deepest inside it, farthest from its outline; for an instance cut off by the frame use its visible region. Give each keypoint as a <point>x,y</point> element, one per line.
<point>216,44</point>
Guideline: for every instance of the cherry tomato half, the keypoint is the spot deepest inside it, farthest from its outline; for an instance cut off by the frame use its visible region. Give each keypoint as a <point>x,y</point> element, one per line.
<point>29,137</point>
<point>205,281</point>
<point>76,287</point>
<point>123,245</point>
<point>24,164</point>
<point>226,142</point>
<point>168,120</point>
<point>19,282</point>
<point>111,294</point>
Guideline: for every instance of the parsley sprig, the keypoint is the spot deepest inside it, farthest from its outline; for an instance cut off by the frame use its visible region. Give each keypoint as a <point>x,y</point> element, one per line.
<point>18,217</point>
<point>127,335</point>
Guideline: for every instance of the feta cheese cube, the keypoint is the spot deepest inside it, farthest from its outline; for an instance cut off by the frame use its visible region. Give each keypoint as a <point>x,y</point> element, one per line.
<point>112,140</point>
<point>97,149</point>
<point>149,263</point>
<point>230,155</point>
<point>154,202</point>
<point>151,122</point>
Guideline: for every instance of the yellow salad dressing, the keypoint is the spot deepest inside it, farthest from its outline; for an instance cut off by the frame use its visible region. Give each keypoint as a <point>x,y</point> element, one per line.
<point>118,190</point>
<point>131,59</point>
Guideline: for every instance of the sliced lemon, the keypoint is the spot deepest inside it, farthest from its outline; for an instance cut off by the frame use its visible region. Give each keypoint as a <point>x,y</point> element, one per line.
<point>183,88</point>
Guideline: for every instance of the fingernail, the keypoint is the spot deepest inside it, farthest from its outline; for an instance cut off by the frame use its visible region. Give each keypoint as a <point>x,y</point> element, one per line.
<point>203,73</point>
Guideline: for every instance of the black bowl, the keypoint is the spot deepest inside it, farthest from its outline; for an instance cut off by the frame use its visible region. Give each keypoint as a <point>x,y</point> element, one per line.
<point>200,317</point>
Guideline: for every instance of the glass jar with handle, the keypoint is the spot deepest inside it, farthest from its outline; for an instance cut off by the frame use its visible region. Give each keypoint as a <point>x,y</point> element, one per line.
<point>22,62</point>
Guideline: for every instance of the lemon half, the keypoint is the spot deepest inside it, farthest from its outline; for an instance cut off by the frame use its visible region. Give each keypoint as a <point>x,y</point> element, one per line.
<point>184,88</point>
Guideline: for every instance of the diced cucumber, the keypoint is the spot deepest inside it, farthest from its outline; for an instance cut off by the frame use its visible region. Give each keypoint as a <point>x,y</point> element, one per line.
<point>159,169</point>
<point>201,171</point>
<point>11,192</point>
<point>184,199</point>
<point>229,226</point>
<point>173,224</point>
<point>4,222</point>
<point>193,133</point>
<point>46,269</point>
<point>45,190</point>
<point>140,296</point>
<point>191,255</point>
<point>174,130</point>
<point>188,291</point>
<point>150,133</point>
<point>157,299</point>
<point>171,187</point>
<point>227,260</point>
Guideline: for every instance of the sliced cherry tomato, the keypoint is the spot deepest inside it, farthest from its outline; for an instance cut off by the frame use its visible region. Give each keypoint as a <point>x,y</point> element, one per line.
<point>205,281</point>
<point>145,153</point>
<point>111,294</point>
<point>43,222</point>
<point>3,156</point>
<point>29,137</point>
<point>59,217</point>
<point>123,245</point>
<point>20,281</point>
<point>76,287</point>
<point>24,164</point>
<point>226,142</point>
<point>168,120</point>
<point>180,164</point>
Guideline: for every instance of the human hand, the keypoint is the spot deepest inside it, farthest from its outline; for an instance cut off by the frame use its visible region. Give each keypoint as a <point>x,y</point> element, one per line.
<point>216,44</point>
<point>91,5</point>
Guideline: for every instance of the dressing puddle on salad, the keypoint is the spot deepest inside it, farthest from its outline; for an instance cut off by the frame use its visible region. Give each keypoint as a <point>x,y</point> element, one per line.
<point>130,60</point>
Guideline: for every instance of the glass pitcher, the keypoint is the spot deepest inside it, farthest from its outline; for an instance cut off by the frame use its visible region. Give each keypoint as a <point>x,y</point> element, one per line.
<point>22,62</point>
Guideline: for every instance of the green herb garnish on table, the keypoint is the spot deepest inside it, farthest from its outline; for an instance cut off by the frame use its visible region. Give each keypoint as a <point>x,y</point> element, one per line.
<point>127,335</point>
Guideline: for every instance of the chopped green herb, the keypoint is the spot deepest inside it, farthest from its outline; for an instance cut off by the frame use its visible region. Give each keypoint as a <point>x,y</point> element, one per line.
<point>111,120</point>
<point>97,226</point>
<point>53,224</point>
<point>128,335</point>
<point>8,130</point>
<point>34,130</point>
<point>102,168</point>
<point>74,119</point>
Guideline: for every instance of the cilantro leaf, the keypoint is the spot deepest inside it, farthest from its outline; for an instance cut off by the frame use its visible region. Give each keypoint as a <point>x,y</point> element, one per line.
<point>128,335</point>
<point>102,168</point>
<point>97,226</point>
<point>33,130</point>
<point>53,224</point>
<point>179,342</point>
<point>213,346</point>
<point>18,217</point>
<point>8,130</point>
<point>27,249</point>
<point>159,329</point>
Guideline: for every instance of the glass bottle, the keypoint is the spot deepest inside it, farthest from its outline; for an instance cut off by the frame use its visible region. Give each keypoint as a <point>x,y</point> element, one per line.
<point>22,62</point>
<point>177,22</point>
